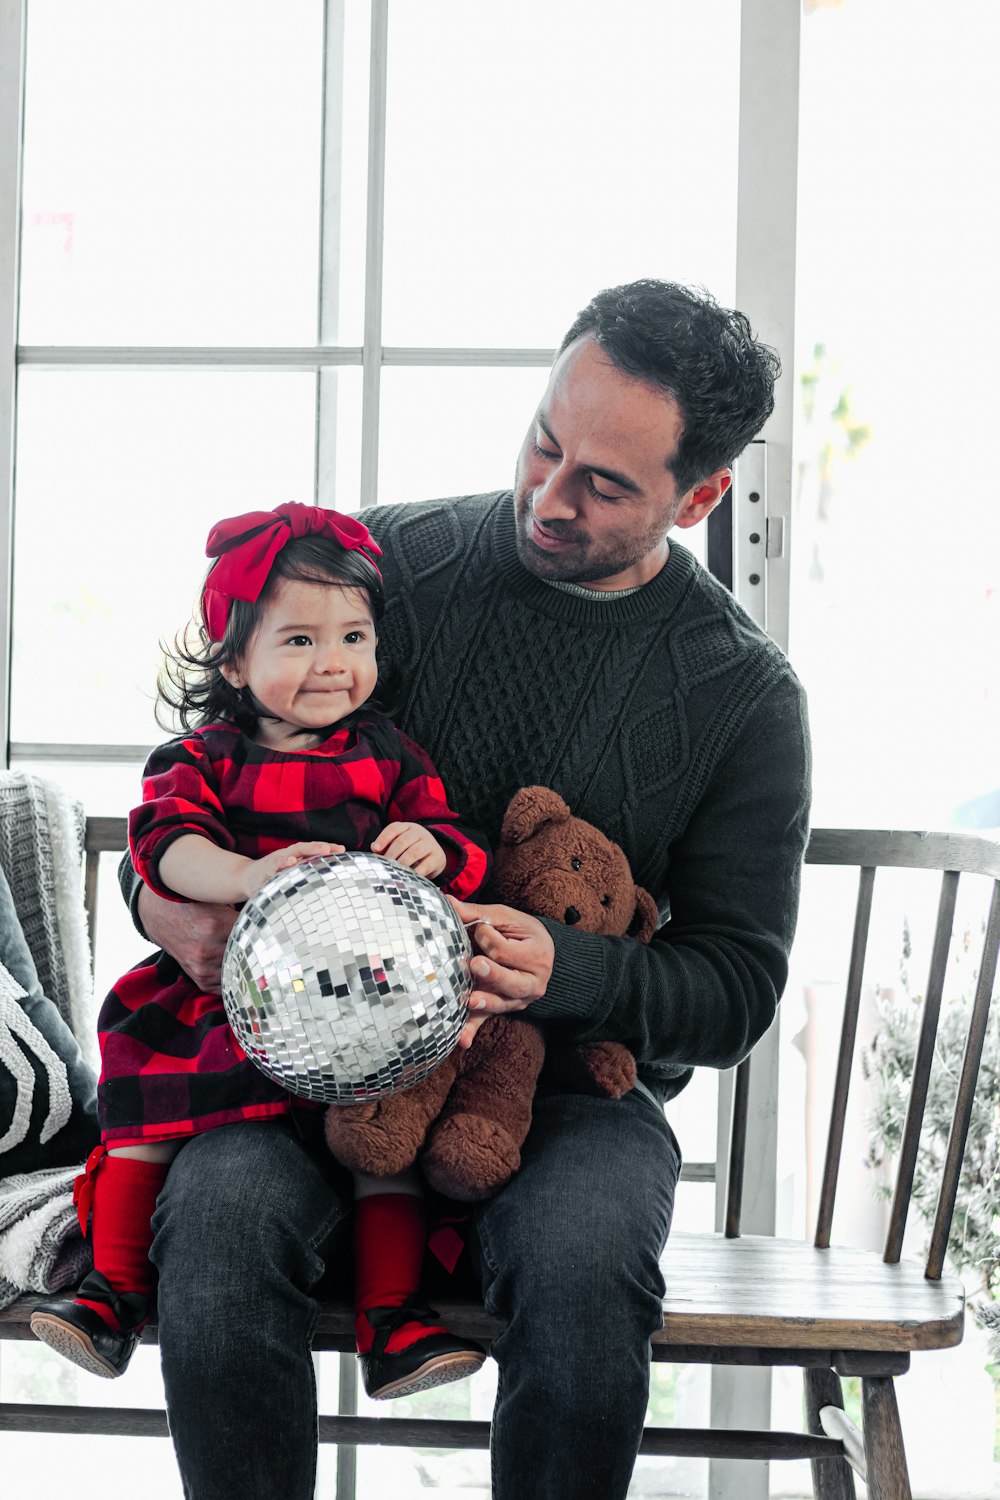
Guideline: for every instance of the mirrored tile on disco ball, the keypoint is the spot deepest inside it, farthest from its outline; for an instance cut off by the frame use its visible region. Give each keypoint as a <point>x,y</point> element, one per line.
<point>347,977</point>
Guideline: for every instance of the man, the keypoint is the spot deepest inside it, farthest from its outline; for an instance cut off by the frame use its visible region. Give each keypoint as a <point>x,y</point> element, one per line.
<point>553,636</point>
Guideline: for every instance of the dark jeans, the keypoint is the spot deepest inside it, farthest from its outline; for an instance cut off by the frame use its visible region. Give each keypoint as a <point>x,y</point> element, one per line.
<point>569,1256</point>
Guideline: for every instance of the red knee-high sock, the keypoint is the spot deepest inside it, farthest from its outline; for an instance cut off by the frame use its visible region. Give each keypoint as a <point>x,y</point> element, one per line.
<point>389,1241</point>
<point>125,1193</point>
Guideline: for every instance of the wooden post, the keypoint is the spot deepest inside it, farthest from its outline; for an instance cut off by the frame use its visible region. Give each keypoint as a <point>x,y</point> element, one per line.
<point>888,1478</point>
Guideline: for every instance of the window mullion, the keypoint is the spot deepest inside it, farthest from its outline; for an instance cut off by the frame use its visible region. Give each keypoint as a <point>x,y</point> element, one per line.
<point>375,227</point>
<point>765,291</point>
<point>328,320</point>
<point>12,23</point>
<point>269,357</point>
<point>766,245</point>
<point>164,357</point>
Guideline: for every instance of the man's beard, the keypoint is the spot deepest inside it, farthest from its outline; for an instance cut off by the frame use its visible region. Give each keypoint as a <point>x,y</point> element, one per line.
<point>582,564</point>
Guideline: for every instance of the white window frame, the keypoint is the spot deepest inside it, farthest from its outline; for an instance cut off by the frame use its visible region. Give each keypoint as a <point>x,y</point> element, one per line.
<point>767,190</point>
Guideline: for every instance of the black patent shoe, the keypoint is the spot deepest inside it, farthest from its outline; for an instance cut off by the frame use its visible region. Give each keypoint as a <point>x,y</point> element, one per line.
<point>82,1336</point>
<point>434,1360</point>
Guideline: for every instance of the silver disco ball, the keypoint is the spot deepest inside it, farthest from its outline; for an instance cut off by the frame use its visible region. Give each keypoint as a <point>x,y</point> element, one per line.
<point>346,978</point>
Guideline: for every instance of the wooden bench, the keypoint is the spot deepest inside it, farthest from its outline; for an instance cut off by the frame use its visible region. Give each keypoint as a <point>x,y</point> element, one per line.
<point>834,1311</point>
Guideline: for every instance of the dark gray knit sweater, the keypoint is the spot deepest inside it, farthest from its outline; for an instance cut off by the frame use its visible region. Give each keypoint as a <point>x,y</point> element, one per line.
<point>666,717</point>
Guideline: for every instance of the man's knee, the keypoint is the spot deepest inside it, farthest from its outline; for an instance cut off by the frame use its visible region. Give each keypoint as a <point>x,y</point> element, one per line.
<point>604,1274</point>
<point>580,1232</point>
<point>241,1205</point>
<point>600,1276</point>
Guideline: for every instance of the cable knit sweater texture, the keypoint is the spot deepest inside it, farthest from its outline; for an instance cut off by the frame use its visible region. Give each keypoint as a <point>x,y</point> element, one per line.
<point>665,716</point>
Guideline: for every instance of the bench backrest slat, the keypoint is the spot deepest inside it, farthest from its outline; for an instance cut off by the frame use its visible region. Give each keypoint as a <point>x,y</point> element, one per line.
<point>845,1056</point>
<point>966,1091</point>
<point>101,836</point>
<point>923,1059</point>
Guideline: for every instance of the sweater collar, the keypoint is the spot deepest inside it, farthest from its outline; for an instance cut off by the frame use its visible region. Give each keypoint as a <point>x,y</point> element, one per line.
<point>661,596</point>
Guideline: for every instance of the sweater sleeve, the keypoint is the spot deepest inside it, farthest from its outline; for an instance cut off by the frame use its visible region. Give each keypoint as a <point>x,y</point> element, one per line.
<point>180,795</point>
<point>419,797</point>
<point>705,989</point>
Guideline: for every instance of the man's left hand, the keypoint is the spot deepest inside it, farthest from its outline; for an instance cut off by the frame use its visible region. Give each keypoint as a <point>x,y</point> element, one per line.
<point>512,963</point>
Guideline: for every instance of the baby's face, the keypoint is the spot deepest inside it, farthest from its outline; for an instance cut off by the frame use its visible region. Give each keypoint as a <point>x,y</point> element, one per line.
<point>312,659</point>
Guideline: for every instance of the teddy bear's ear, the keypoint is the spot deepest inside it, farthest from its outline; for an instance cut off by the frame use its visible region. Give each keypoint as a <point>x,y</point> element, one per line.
<point>528,810</point>
<point>647,916</point>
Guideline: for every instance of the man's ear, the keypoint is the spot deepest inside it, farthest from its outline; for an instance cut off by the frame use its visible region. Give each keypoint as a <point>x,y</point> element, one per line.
<point>702,498</point>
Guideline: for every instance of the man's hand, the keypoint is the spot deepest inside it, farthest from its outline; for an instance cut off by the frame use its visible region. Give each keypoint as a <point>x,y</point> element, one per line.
<point>194,933</point>
<point>512,964</point>
<point>411,844</point>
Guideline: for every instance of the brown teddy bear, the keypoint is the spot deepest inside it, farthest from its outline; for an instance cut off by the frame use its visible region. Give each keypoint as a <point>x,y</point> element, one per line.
<point>468,1120</point>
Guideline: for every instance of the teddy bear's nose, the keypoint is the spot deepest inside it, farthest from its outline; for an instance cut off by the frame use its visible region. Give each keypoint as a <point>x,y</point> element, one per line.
<point>572,915</point>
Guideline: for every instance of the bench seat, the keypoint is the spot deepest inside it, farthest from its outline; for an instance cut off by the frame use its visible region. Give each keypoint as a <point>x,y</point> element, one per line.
<point>753,1293</point>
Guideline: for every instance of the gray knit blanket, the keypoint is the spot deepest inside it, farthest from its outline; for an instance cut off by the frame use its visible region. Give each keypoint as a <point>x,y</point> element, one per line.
<point>41,1248</point>
<point>41,849</point>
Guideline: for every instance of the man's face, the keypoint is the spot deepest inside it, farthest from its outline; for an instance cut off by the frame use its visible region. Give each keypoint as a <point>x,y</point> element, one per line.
<point>593,496</point>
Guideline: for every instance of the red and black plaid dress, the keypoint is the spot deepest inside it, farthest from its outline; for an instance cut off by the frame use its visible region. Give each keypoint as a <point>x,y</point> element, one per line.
<point>170,1064</point>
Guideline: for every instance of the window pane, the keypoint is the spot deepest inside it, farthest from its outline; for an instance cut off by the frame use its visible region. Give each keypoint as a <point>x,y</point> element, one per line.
<point>172,172</point>
<point>896,629</point>
<point>452,431</point>
<point>346,173</point>
<point>536,153</point>
<point>120,477</point>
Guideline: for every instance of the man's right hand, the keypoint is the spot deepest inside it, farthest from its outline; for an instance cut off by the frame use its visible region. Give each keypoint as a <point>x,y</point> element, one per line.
<point>192,932</point>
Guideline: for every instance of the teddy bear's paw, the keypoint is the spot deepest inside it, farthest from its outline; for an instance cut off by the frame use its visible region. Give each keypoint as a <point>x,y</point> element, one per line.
<point>362,1138</point>
<point>603,1069</point>
<point>610,1066</point>
<point>467,1158</point>
<point>347,1116</point>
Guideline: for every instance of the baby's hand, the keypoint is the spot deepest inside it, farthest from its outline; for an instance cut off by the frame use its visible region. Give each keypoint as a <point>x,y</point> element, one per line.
<point>411,845</point>
<point>258,871</point>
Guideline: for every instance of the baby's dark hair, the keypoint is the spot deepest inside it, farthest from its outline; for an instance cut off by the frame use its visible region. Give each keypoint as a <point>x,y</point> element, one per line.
<point>191,687</point>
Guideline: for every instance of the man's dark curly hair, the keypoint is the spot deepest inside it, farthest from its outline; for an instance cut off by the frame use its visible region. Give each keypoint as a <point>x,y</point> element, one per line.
<point>705,356</point>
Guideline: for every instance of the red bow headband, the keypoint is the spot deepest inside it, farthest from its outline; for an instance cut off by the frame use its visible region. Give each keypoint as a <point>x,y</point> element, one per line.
<point>247,545</point>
